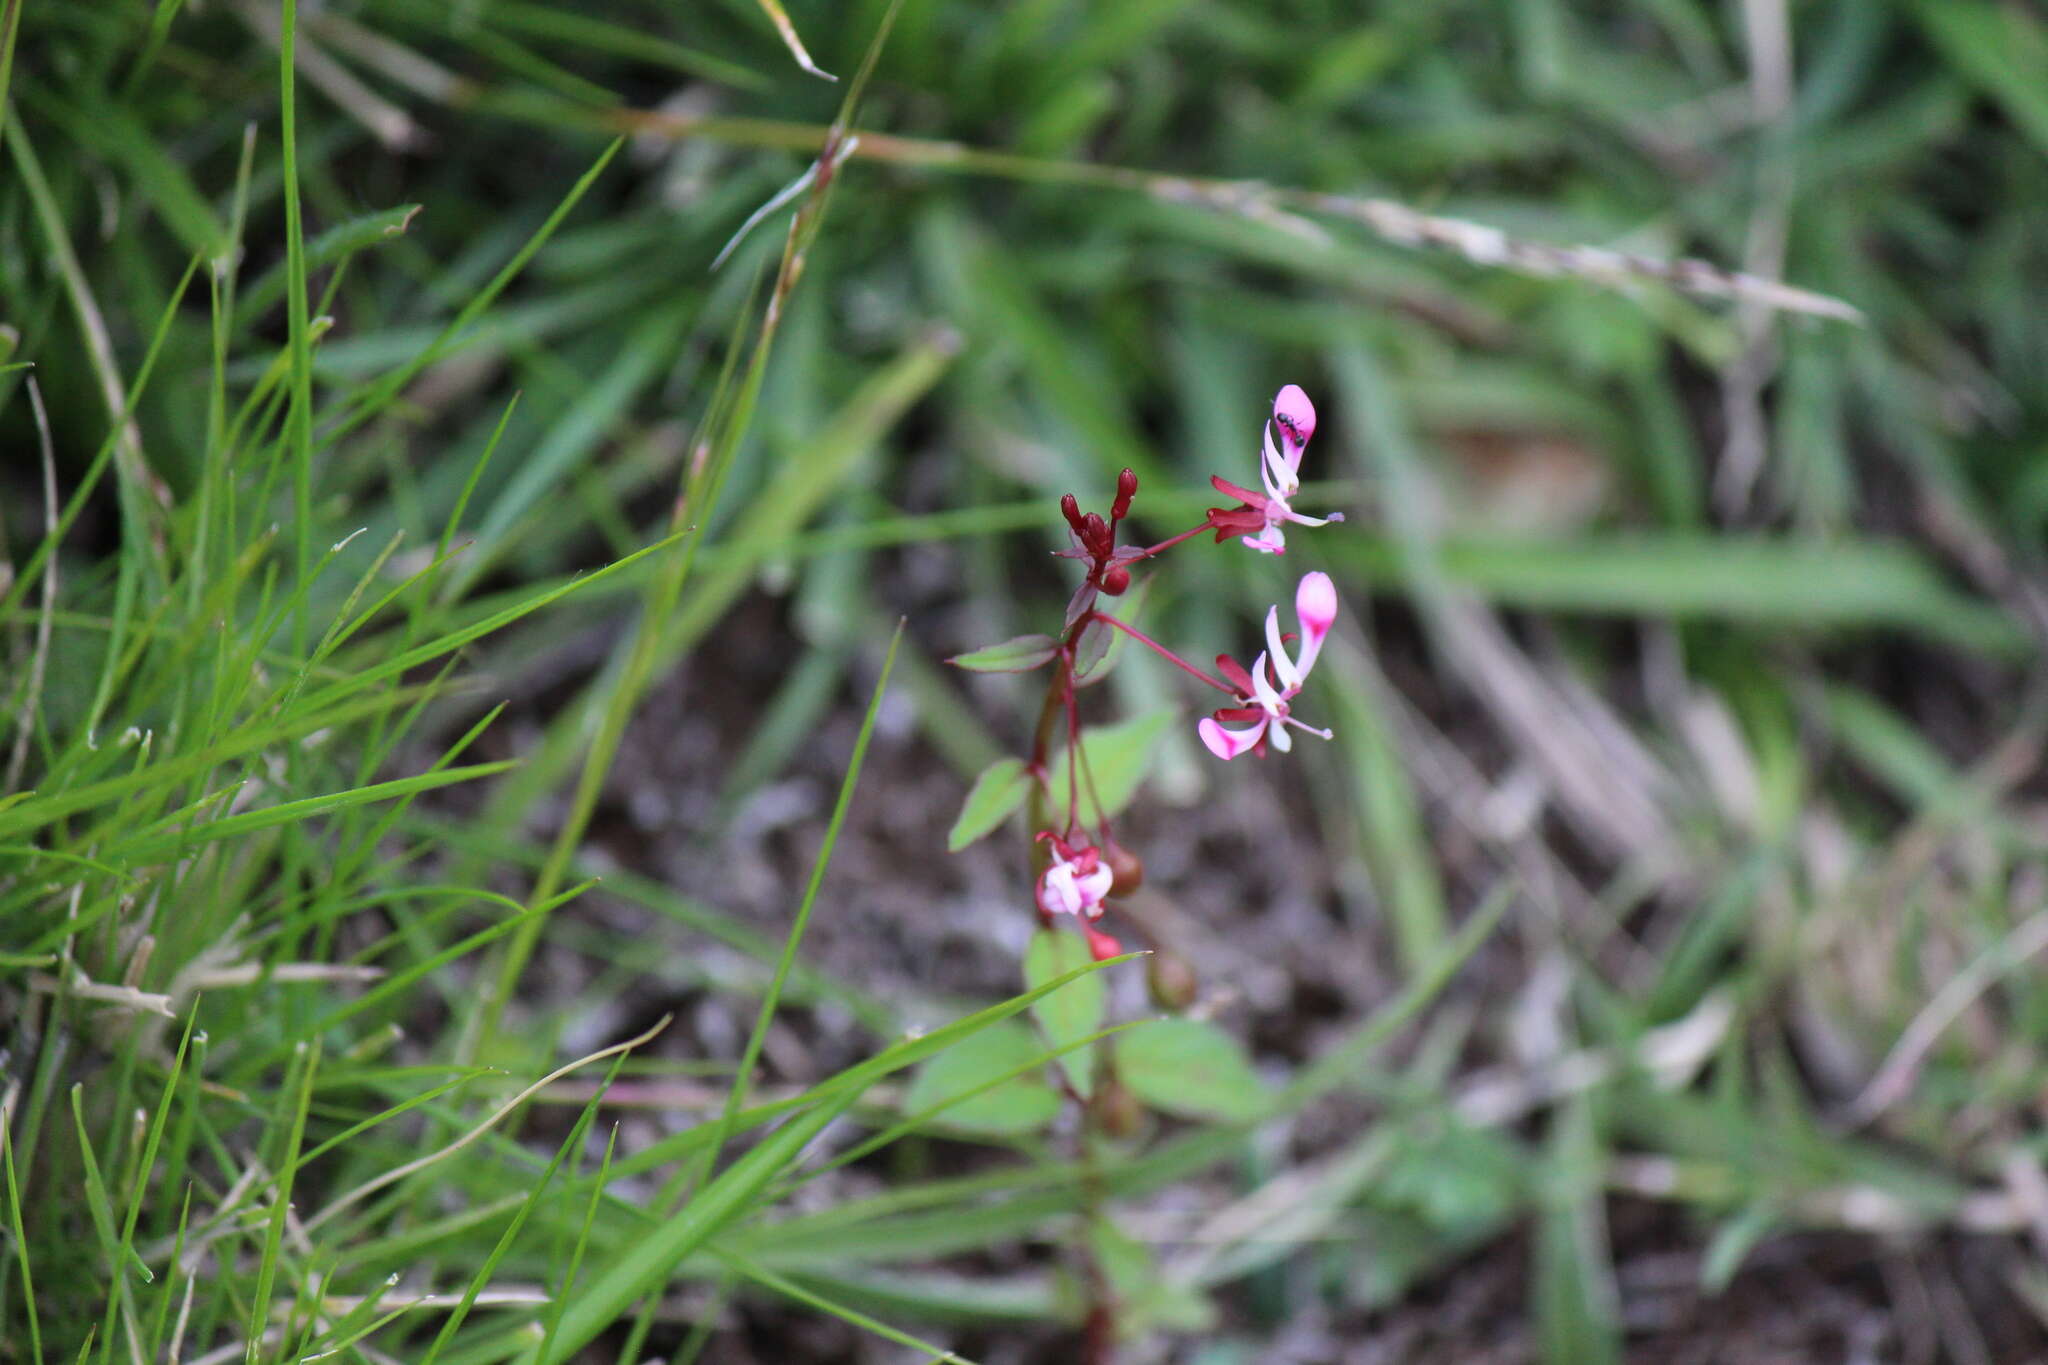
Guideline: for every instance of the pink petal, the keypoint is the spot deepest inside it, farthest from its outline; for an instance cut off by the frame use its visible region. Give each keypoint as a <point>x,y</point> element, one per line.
<point>1315,603</point>
<point>1296,418</point>
<point>1228,744</point>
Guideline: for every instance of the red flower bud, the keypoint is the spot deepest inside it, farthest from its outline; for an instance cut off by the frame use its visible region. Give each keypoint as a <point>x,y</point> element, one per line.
<point>1126,488</point>
<point>1116,580</point>
<point>1070,508</point>
<point>1094,533</point>
<point>1102,945</point>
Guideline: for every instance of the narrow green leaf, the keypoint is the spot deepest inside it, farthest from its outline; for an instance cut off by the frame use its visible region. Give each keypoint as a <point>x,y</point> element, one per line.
<point>1576,1306</point>
<point>1020,654</point>
<point>338,243</point>
<point>19,1236</point>
<point>737,1095</point>
<point>99,1204</point>
<point>155,843</point>
<point>645,1264</point>
<point>2002,48</point>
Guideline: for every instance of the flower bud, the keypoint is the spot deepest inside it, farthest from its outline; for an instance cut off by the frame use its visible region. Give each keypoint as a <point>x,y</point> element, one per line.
<point>1126,488</point>
<point>1101,945</point>
<point>1070,508</point>
<point>1170,980</point>
<point>1116,581</point>
<point>1114,1110</point>
<point>1128,868</point>
<point>1094,533</point>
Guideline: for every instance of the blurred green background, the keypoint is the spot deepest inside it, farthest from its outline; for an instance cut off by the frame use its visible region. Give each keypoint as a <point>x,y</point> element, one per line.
<point>1702,638</point>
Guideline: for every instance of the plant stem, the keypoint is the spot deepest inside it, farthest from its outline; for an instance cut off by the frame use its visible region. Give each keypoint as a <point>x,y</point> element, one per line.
<point>1162,651</point>
<point>1172,541</point>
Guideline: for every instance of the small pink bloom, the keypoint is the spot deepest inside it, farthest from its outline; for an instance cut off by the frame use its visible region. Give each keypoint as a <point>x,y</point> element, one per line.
<point>1294,418</point>
<point>1076,882</point>
<point>1265,692</point>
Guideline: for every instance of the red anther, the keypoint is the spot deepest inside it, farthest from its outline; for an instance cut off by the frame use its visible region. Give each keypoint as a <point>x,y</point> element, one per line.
<point>1070,508</point>
<point>1126,489</point>
<point>1116,580</point>
<point>1094,533</point>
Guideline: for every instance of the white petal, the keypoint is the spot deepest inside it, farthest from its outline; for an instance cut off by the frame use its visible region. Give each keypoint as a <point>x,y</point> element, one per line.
<point>1276,650</point>
<point>1059,895</point>
<point>1273,472</point>
<point>1272,540</point>
<point>1277,737</point>
<point>1262,688</point>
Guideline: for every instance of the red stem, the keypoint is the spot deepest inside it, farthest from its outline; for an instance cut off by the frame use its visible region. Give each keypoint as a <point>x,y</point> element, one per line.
<point>1073,742</point>
<point>1172,541</point>
<point>1163,652</point>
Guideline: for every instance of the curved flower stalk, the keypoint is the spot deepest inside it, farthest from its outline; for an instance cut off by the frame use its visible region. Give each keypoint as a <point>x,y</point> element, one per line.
<point>1274,680</point>
<point>1262,515</point>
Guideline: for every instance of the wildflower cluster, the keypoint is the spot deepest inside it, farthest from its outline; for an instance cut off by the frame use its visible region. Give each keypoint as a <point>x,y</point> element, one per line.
<point>1079,870</point>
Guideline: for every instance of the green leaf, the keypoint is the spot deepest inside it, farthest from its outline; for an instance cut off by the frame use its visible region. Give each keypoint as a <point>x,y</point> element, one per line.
<point>1115,759</point>
<point>1000,789</point>
<point>1189,1068</point>
<point>338,243</point>
<point>1765,581</point>
<point>1022,1105</point>
<point>1073,1011</point>
<point>1018,655</point>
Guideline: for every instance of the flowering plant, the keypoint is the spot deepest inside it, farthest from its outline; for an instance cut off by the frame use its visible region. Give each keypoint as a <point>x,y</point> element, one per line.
<point>1180,1066</point>
<point>1079,868</point>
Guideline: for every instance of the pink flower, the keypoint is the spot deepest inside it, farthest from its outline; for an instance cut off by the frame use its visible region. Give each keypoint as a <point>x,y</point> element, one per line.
<point>1280,472</point>
<point>1275,679</point>
<point>1076,882</point>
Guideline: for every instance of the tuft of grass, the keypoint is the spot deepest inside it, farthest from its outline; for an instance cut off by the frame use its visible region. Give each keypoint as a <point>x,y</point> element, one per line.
<point>410,401</point>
